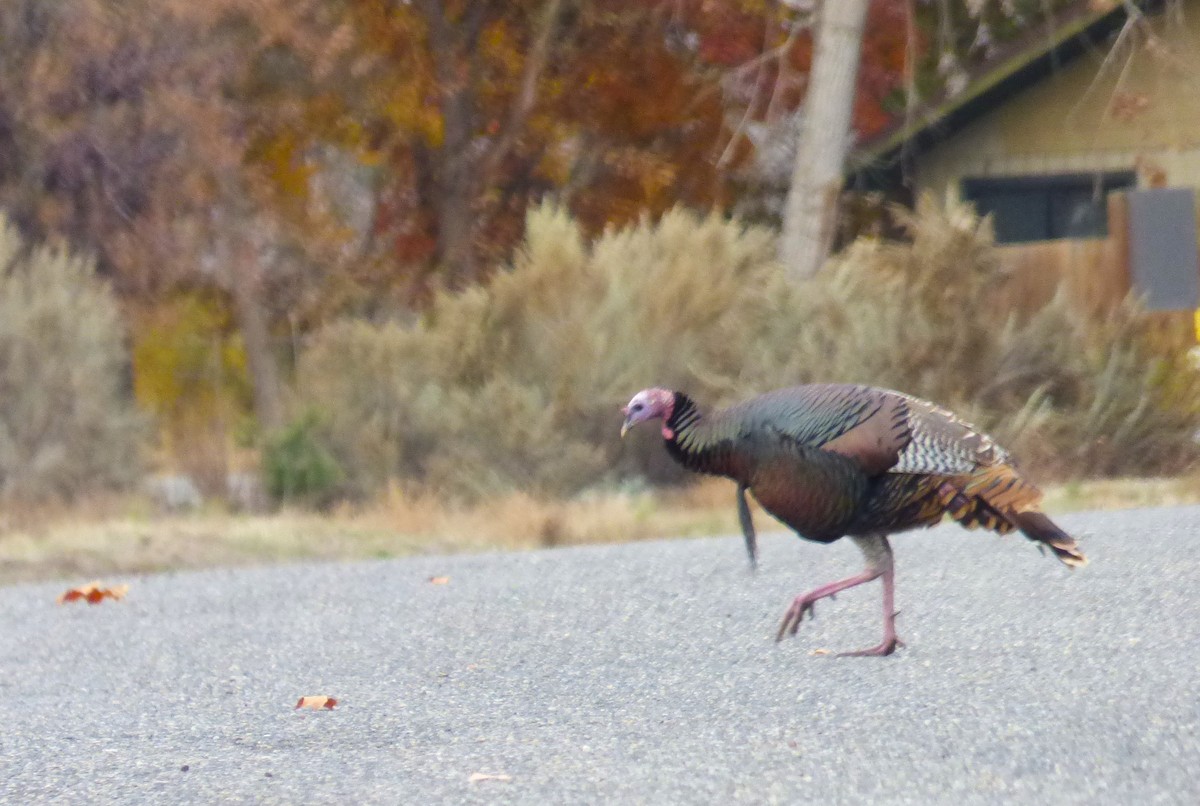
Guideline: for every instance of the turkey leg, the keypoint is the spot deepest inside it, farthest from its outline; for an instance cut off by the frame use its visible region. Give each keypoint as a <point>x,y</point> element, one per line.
<point>878,553</point>
<point>747,527</point>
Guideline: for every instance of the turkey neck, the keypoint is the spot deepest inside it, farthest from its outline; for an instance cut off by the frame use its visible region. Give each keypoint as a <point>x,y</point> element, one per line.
<point>698,442</point>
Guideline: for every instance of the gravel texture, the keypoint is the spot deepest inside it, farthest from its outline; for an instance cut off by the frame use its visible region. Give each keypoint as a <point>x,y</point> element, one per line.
<point>641,673</point>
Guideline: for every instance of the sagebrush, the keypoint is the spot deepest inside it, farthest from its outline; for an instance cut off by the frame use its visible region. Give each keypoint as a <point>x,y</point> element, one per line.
<point>516,385</point>
<point>67,422</point>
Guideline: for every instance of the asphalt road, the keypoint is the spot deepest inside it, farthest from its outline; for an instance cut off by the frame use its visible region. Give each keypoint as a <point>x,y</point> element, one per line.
<point>624,674</point>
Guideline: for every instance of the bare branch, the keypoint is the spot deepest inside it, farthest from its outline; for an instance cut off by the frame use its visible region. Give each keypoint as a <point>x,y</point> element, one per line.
<point>1135,23</point>
<point>760,62</point>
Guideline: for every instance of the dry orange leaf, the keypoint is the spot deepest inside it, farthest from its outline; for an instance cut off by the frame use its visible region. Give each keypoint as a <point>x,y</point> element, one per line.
<point>440,580</point>
<point>316,702</point>
<point>94,593</point>
<point>476,777</point>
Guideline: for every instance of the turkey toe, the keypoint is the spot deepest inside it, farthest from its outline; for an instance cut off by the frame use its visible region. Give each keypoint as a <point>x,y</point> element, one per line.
<point>795,615</point>
<point>884,649</point>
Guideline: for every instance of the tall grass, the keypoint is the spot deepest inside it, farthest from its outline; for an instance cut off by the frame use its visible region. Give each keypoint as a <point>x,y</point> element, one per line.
<point>516,385</point>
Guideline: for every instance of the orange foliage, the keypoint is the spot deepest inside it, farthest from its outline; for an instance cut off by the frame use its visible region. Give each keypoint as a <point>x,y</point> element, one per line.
<point>94,593</point>
<point>881,71</point>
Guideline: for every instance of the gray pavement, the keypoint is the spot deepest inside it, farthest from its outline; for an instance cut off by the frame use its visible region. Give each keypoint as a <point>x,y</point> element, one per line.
<point>640,673</point>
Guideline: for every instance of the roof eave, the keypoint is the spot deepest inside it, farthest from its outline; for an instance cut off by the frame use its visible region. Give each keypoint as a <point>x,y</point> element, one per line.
<point>933,116</point>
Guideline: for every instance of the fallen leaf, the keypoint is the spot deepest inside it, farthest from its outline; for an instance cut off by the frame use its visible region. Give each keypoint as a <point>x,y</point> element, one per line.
<point>94,593</point>
<point>316,702</point>
<point>439,580</point>
<point>476,777</point>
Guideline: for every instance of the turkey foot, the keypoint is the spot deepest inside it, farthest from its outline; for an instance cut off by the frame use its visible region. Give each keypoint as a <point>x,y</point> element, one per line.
<point>795,615</point>
<point>878,553</point>
<point>888,646</point>
<point>804,603</point>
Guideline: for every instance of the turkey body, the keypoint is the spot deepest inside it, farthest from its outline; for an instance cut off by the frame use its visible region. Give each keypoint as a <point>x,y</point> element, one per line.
<point>836,460</point>
<point>831,460</point>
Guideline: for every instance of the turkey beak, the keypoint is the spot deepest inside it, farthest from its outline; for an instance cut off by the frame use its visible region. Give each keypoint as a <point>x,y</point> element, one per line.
<point>625,426</point>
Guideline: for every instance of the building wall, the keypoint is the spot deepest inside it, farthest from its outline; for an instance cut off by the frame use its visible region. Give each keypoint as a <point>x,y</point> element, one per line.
<point>1068,124</point>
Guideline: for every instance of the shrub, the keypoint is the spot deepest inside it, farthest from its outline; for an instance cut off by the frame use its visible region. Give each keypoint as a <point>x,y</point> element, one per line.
<point>1121,396</point>
<point>517,384</point>
<point>297,466</point>
<point>66,421</point>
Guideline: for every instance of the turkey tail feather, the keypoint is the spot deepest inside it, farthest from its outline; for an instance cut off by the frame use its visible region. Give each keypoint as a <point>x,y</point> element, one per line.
<point>1036,526</point>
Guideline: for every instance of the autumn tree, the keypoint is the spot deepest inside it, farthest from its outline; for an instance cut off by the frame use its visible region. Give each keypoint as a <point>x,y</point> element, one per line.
<point>480,109</point>
<point>169,139</point>
<point>79,155</point>
<point>876,63</point>
<point>774,94</point>
<point>252,224</point>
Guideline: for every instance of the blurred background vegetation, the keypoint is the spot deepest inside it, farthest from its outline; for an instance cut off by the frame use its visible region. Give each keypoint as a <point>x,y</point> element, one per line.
<point>330,251</point>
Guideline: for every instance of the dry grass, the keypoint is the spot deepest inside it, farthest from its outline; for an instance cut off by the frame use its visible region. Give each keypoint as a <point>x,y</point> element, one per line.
<point>119,537</point>
<point>112,536</point>
<point>1122,494</point>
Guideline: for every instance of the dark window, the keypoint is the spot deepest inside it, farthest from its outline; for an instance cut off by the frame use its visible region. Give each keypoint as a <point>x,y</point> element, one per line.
<point>1041,208</point>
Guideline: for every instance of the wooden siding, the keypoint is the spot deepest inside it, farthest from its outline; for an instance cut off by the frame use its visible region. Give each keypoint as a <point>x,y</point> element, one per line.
<point>1094,273</point>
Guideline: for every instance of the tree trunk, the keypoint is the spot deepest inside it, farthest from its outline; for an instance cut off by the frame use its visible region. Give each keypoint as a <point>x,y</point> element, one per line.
<point>455,236</point>
<point>457,183</point>
<point>454,43</point>
<point>810,217</point>
<point>467,163</point>
<point>256,337</point>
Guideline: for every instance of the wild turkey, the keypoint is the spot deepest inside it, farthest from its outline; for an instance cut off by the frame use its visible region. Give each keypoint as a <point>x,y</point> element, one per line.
<point>835,460</point>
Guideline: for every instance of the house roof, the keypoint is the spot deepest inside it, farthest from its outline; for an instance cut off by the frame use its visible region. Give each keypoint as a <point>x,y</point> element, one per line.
<point>1016,66</point>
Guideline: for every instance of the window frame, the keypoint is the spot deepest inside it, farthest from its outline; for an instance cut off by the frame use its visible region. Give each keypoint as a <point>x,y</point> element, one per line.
<point>1043,188</point>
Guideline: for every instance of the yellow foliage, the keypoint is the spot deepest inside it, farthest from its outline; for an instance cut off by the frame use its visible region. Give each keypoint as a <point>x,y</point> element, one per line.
<point>189,370</point>
<point>503,49</point>
<point>280,154</point>
<point>408,109</point>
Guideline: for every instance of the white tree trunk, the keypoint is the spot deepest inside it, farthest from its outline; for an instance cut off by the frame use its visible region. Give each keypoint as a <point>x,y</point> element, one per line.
<point>810,217</point>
